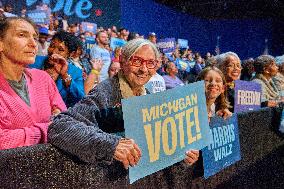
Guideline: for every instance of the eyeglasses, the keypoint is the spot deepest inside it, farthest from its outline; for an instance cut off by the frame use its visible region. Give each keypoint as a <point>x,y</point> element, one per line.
<point>238,66</point>
<point>138,61</point>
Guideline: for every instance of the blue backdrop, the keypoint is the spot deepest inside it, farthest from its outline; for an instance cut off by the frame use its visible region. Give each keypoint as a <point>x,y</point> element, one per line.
<point>245,37</point>
<point>77,10</point>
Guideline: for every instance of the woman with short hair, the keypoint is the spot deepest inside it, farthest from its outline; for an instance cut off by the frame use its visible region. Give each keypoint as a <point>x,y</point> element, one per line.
<point>171,78</point>
<point>265,68</point>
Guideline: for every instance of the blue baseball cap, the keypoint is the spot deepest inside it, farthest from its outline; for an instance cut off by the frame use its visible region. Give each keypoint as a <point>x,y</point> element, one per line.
<point>43,31</point>
<point>151,34</point>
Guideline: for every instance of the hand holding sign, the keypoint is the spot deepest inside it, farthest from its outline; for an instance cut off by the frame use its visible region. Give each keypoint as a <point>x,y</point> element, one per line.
<point>191,157</point>
<point>165,126</point>
<point>272,103</point>
<point>127,152</point>
<point>224,149</point>
<point>225,113</point>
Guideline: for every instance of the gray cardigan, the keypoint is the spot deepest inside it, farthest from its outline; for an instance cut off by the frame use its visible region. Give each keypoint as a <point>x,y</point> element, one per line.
<point>268,88</point>
<point>84,130</point>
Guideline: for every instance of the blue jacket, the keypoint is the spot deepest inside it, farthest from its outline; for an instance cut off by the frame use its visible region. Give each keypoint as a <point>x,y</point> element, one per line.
<point>75,92</point>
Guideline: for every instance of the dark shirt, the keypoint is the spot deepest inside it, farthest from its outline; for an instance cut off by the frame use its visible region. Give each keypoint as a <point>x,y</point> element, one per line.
<point>231,98</point>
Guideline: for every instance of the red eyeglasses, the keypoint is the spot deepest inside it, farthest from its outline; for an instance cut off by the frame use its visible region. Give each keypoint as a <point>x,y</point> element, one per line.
<point>138,61</point>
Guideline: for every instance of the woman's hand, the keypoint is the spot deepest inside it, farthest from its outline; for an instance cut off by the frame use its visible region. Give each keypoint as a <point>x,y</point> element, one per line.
<point>97,64</point>
<point>272,103</point>
<point>225,113</point>
<point>127,152</point>
<point>59,63</point>
<point>55,112</point>
<point>64,69</point>
<point>191,157</point>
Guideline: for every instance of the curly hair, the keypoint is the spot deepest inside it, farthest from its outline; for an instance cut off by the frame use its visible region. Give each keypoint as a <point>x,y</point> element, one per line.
<point>71,41</point>
<point>221,101</point>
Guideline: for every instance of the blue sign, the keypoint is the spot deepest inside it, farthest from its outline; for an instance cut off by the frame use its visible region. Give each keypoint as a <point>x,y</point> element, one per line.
<point>38,16</point>
<point>116,42</point>
<point>89,27</point>
<point>191,63</point>
<point>183,43</point>
<point>167,45</point>
<point>182,65</point>
<point>7,14</point>
<point>247,96</point>
<point>90,42</point>
<point>165,125</point>
<point>225,147</point>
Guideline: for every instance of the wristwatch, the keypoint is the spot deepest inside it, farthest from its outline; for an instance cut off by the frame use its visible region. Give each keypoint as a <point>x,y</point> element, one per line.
<point>68,78</point>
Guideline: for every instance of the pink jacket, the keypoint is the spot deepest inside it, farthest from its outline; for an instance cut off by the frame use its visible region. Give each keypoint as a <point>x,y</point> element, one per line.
<point>23,125</point>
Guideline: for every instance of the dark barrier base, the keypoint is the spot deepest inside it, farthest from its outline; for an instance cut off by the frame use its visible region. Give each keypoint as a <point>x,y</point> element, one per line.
<point>44,166</point>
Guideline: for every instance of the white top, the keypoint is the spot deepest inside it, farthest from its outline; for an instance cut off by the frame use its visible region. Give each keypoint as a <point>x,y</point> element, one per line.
<point>156,84</point>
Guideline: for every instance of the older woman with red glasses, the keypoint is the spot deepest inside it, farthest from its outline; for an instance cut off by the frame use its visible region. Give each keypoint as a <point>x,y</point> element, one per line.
<point>93,129</point>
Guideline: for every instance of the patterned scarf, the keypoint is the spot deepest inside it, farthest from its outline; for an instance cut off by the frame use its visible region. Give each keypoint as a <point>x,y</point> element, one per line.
<point>125,88</point>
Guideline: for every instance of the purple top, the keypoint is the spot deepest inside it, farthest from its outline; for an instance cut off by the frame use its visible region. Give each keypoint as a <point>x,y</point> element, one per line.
<point>171,82</point>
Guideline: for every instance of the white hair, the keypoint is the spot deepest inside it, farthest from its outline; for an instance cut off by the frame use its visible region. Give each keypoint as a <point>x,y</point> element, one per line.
<point>133,45</point>
<point>221,59</point>
<point>279,60</point>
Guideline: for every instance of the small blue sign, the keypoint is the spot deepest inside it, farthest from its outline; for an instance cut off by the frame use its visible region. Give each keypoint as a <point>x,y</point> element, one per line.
<point>182,65</point>
<point>225,147</point>
<point>165,125</point>
<point>90,42</point>
<point>38,16</point>
<point>89,27</point>
<point>167,45</point>
<point>7,14</point>
<point>183,43</point>
<point>116,42</point>
<point>247,96</point>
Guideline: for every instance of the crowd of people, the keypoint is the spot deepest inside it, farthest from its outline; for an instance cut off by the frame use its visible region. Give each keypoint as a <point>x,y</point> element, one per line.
<point>43,73</point>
